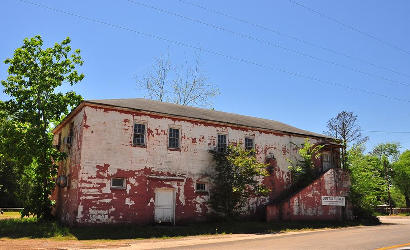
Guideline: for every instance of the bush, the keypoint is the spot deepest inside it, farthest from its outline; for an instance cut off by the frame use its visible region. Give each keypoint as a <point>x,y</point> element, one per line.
<point>237,177</point>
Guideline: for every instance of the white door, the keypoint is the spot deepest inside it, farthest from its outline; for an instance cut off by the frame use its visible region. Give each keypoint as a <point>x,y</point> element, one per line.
<point>326,161</point>
<point>164,205</point>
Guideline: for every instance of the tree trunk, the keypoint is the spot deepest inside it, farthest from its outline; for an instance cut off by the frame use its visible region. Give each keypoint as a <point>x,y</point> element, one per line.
<point>407,201</point>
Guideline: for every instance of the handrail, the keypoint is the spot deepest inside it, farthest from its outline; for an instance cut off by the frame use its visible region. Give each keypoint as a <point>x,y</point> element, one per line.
<point>292,190</point>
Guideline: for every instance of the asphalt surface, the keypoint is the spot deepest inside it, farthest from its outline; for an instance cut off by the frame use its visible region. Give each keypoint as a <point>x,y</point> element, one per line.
<point>394,233</point>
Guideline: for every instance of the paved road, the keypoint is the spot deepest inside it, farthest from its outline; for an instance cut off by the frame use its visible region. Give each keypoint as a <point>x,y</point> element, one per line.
<point>394,234</point>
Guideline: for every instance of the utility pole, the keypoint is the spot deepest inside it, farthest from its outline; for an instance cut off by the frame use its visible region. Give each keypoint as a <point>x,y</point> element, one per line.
<point>387,177</point>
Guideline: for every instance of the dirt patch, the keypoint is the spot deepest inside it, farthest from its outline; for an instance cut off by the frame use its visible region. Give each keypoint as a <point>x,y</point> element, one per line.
<point>25,243</point>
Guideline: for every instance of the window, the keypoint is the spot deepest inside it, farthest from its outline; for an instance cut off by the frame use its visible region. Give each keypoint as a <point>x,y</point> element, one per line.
<point>139,135</point>
<point>221,146</point>
<point>248,143</point>
<point>118,183</point>
<point>71,133</point>
<point>326,157</point>
<point>59,141</point>
<point>201,187</point>
<point>70,136</point>
<point>173,137</point>
<point>326,161</point>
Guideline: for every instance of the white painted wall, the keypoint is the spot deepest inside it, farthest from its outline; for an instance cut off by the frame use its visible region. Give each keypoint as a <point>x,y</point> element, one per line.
<point>108,139</point>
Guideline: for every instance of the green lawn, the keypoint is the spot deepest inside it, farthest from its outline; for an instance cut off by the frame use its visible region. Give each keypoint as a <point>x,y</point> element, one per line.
<point>6,215</point>
<point>31,228</point>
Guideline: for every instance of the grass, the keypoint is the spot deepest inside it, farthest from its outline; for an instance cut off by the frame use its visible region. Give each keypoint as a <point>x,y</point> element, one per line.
<point>6,215</point>
<point>401,214</point>
<point>31,228</point>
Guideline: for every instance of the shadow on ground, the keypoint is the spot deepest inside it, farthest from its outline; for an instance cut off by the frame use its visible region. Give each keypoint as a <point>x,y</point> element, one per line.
<point>31,228</point>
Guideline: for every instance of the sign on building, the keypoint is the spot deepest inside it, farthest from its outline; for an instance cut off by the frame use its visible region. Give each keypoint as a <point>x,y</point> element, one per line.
<point>333,201</point>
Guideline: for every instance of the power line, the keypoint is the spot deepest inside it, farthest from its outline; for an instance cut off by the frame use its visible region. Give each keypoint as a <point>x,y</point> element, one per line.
<point>300,40</point>
<point>388,132</point>
<point>217,53</point>
<point>267,43</point>
<point>348,26</point>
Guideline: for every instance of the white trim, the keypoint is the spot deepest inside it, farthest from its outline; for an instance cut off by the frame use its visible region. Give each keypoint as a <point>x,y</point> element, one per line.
<point>179,127</point>
<point>124,184</point>
<point>166,177</point>
<point>201,182</point>
<point>227,139</point>
<point>249,137</point>
<point>173,200</point>
<point>145,133</point>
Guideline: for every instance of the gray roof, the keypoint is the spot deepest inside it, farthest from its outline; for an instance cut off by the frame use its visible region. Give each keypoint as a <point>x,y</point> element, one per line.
<point>204,114</point>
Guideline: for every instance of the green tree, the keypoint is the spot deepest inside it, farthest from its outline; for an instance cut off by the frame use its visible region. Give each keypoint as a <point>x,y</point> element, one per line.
<point>238,176</point>
<point>34,78</point>
<point>368,187</point>
<point>13,154</point>
<point>399,200</point>
<point>387,153</point>
<point>389,150</point>
<point>303,170</point>
<point>401,176</point>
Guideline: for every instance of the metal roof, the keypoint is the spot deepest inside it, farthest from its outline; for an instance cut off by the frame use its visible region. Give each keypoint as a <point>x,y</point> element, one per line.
<point>203,114</point>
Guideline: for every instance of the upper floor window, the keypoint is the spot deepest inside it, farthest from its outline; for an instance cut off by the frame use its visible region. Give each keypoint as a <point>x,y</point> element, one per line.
<point>221,145</point>
<point>326,160</point>
<point>173,138</point>
<point>326,156</point>
<point>59,141</point>
<point>68,141</point>
<point>139,135</point>
<point>71,132</point>
<point>248,143</point>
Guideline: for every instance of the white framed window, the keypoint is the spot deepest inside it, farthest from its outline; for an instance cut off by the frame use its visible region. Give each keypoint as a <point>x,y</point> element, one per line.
<point>118,183</point>
<point>249,143</point>
<point>201,187</point>
<point>173,138</point>
<point>221,143</point>
<point>326,157</point>
<point>326,160</point>
<point>138,138</point>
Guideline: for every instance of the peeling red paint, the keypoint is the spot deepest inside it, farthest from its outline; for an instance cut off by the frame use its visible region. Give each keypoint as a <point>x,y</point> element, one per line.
<point>85,120</point>
<point>67,197</point>
<point>139,192</point>
<point>94,201</point>
<point>306,204</point>
<point>150,133</point>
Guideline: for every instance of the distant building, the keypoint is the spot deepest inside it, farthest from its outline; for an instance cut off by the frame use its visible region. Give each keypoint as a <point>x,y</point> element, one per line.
<point>142,161</point>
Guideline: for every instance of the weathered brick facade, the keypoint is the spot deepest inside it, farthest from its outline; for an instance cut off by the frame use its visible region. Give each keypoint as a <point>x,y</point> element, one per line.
<point>102,148</point>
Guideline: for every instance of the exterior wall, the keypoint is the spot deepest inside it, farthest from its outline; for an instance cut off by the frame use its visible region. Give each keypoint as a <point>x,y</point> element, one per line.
<point>67,197</point>
<point>306,205</point>
<point>104,150</point>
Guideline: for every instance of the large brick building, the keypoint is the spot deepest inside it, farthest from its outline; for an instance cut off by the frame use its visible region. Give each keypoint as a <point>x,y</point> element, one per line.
<point>143,161</point>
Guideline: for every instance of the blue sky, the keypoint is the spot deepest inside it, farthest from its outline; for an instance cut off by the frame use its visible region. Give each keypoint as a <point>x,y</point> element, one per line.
<point>114,57</point>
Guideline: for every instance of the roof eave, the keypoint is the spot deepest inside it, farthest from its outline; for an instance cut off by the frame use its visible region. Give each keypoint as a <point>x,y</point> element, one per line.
<point>68,117</point>
<point>208,120</point>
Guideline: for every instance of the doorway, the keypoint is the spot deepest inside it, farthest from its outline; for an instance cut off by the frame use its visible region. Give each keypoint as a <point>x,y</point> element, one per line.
<point>164,205</point>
